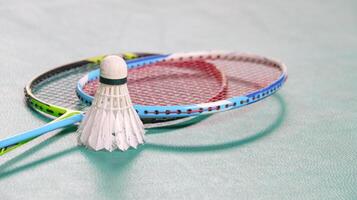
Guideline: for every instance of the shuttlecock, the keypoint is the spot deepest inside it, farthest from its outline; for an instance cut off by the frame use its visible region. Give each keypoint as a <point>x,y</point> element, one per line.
<point>111,122</point>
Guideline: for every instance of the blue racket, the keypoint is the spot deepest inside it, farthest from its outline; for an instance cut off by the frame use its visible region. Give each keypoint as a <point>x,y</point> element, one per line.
<point>191,84</point>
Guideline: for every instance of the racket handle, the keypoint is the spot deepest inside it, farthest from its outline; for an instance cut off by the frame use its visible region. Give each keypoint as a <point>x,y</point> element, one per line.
<point>29,135</point>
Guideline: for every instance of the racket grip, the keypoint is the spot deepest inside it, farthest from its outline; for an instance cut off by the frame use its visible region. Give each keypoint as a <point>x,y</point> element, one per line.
<point>22,137</point>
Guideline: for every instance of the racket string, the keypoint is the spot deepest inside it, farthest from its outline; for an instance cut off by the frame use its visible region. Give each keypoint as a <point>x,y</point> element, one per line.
<point>197,80</point>
<point>170,83</point>
<point>59,89</point>
<point>245,77</point>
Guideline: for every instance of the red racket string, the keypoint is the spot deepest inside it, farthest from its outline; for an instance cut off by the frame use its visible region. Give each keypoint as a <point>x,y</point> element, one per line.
<point>197,80</point>
<point>173,83</point>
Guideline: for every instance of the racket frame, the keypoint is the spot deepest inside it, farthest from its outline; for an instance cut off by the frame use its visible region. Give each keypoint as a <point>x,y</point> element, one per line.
<point>175,111</point>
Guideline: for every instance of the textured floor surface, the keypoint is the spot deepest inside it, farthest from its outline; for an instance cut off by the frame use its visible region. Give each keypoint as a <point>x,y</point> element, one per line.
<point>298,144</point>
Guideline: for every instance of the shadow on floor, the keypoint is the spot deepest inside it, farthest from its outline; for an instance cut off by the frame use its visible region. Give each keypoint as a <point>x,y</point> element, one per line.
<point>5,173</point>
<point>227,145</point>
<point>101,158</point>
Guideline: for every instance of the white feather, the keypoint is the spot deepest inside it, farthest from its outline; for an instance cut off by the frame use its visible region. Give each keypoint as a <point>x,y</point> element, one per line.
<point>111,122</point>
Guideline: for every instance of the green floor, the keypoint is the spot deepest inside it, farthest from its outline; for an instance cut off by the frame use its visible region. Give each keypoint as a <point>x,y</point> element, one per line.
<point>298,144</point>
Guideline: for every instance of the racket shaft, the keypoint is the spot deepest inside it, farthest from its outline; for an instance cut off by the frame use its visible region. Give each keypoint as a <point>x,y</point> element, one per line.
<point>8,142</point>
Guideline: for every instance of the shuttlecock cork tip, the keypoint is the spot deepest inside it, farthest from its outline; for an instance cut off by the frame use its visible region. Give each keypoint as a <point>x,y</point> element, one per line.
<point>113,70</point>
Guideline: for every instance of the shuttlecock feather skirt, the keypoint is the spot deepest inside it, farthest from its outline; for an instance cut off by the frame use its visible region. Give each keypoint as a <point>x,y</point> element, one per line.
<point>111,122</point>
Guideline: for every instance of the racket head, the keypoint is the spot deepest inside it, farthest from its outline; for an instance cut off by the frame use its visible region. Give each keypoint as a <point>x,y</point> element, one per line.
<point>53,93</point>
<point>238,79</point>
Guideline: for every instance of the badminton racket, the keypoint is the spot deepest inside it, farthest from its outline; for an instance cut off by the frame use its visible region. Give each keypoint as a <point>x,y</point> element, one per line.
<point>174,85</point>
<point>53,94</point>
